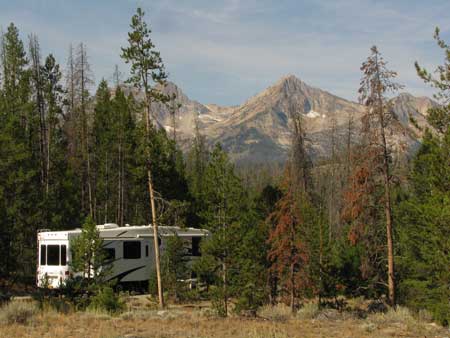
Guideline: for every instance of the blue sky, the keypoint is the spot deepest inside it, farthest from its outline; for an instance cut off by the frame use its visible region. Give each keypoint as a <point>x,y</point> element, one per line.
<point>226,51</point>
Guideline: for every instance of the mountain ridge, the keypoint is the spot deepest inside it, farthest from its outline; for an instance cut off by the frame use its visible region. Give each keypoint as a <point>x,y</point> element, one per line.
<point>259,129</point>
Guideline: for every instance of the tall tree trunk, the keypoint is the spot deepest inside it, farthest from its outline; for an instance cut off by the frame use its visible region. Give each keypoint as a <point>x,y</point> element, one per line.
<point>292,277</point>
<point>388,212</point>
<point>106,188</point>
<point>85,130</point>
<point>40,105</point>
<point>225,287</point>
<point>153,207</point>
<point>119,184</point>
<point>387,196</point>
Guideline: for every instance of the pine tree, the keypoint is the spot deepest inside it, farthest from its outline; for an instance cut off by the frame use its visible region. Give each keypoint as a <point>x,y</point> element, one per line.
<point>20,196</point>
<point>424,213</point>
<point>83,81</point>
<point>374,171</point>
<point>124,129</point>
<point>147,68</point>
<point>104,156</point>
<point>88,254</point>
<point>424,220</point>
<point>196,163</point>
<point>62,198</point>
<point>439,117</point>
<point>224,205</point>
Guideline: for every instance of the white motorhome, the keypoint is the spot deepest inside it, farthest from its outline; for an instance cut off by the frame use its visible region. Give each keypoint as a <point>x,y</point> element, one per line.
<point>129,250</point>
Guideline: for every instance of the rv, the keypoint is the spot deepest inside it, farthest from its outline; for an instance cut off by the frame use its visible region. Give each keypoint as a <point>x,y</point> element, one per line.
<point>129,249</point>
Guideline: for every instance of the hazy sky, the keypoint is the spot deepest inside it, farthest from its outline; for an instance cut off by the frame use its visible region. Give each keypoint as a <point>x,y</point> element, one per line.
<point>226,51</point>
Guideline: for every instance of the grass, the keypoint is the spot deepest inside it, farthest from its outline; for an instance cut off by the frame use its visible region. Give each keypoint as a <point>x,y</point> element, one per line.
<point>278,313</point>
<point>198,321</point>
<point>18,313</point>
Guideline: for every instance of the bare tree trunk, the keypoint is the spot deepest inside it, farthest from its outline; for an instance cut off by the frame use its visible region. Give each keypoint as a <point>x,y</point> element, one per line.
<point>119,187</point>
<point>387,196</point>
<point>225,287</point>
<point>37,78</point>
<point>106,188</point>
<point>292,272</point>
<point>388,212</point>
<point>153,208</point>
<point>85,128</point>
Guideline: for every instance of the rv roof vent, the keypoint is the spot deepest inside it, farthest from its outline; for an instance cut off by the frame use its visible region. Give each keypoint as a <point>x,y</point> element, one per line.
<point>127,225</point>
<point>107,226</point>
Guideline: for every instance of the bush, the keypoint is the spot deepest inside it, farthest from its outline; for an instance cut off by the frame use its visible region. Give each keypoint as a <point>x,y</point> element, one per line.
<point>399,315</point>
<point>249,300</point>
<point>17,313</point>
<point>153,285</point>
<point>278,313</point>
<point>107,300</point>
<point>307,311</point>
<point>218,302</point>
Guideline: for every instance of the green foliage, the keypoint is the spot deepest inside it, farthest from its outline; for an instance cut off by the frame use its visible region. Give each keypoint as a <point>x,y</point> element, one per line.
<point>174,267</point>
<point>107,300</point>
<point>87,253</point>
<point>425,229</point>
<point>146,63</point>
<point>439,117</point>
<point>20,214</point>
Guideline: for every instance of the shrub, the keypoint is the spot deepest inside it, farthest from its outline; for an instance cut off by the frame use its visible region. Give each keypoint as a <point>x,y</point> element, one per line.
<point>307,311</point>
<point>399,315</point>
<point>278,313</point>
<point>153,285</point>
<point>249,300</point>
<point>217,301</point>
<point>17,313</point>
<point>107,300</point>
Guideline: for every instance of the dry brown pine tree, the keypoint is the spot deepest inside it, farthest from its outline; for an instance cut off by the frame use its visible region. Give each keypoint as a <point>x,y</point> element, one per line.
<point>373,167</point>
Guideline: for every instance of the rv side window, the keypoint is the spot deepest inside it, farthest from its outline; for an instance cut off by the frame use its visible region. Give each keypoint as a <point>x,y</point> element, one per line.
<point>110,254</point>
<point>63,255</point>
<point>43,254</point>
<point>146,251</point>
<point>131,250</point>
<point>52,254</point>
<point>196,246</point>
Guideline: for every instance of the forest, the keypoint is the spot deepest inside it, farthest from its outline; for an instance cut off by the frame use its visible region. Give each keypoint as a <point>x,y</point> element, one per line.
<point>358,224</point>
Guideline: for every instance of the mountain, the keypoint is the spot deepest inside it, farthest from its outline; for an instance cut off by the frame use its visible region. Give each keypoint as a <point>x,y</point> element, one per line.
<point>259,130</point>
<point>412,111</point>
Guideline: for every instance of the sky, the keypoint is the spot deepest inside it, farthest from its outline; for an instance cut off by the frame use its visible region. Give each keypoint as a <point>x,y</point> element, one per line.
<point>226,51</point>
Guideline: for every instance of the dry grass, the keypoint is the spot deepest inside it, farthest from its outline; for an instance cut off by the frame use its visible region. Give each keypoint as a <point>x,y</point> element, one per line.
<point>277,313</point>
<point>195,321</point>
<point>17,313</point>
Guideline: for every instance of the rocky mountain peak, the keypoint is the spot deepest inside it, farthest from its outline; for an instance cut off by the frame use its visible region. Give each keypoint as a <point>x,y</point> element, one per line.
<point>259,130</point>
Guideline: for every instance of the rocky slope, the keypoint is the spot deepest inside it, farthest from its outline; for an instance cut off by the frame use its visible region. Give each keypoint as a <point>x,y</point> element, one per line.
<point>259,130</point>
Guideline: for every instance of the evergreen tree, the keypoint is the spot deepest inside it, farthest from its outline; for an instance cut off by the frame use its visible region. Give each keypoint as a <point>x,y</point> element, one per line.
<point>174,266</point>
<point>87,253</point>
<point>374,172</point>
<point>196,163</point>
<point>20,197</point>
<point>425,230</point>
<point>125,133</point>
<point>224,205</point>
<point>104,153</point>
<point>424,214</point>
<point>147,69</point>
<point>62,195</point>
<point>439,117</point>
